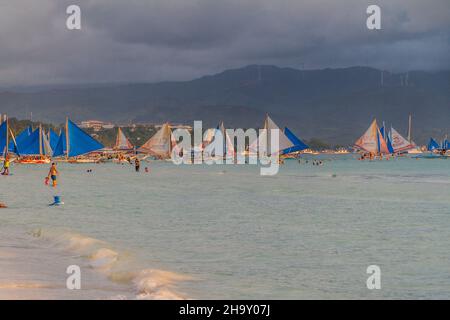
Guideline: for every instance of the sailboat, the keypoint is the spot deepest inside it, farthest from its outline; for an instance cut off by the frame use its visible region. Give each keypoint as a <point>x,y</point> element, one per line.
<point>7,140</point>
<point>298,145</point>
<point>35,149</point>
<point>53,138</point>
<point>122,142</point>
<point>436,150</point>
<point>399,143</point>
<point>284,142</point>
<point>415,149</point>
<point>74,142</point>
<point>23,136</point>
<point>433,145</point>
<point>228,143</point>
<point>160,144</point>
<point>372,141</point>
<point>445,145</point>
<point>122,146</point>
<point>387,138</point>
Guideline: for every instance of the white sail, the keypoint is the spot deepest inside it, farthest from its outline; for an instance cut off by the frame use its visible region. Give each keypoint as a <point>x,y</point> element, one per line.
<point>209,136</point>
<point>229,143</point>
<point>269,125</point>
<point>47,150</point>
<point>253,147</point>
<point>399,143</point>
<point>160,144</point>
<point>284,143</point>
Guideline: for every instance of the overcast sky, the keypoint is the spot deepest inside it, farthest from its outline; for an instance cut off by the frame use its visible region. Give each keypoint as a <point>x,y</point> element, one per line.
<point>154,40</point>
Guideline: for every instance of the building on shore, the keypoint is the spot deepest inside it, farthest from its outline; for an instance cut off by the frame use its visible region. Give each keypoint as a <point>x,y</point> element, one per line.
<point>96,125</point>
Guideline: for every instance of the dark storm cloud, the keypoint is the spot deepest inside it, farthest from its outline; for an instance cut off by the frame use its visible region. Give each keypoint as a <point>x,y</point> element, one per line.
<point>148,40</point>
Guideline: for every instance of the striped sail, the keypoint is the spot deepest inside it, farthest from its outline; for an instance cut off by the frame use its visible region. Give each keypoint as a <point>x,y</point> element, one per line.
<point>160,144</point>
<point>372,140</point>
<point>399,143</point>
<point>122,142</point>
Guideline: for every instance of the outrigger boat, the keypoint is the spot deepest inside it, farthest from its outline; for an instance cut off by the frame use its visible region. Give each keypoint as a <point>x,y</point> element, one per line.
<point>373,142</point>
<point>8,142</point>
<point>73,142</point>
<point>160,145</point>
<point>288,142</point>
<point>228,152</point>
<point>123,150</point>
<point>436,150</point>
<point>34,149</point>
<point>32,160</point>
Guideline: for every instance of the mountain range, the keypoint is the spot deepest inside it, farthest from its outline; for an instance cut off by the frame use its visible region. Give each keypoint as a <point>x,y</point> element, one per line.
<point>335,105</point>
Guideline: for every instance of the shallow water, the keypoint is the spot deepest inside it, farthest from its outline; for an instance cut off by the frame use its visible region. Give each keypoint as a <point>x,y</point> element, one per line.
<point>223,232</point>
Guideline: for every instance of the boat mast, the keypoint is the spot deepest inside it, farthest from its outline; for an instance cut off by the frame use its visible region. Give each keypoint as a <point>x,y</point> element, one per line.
<point>67,137</point>
<point>167,131</point>
<point>268,135</point>
<point>409,128</point>
<point>7,136</point>
<point>40,139</point>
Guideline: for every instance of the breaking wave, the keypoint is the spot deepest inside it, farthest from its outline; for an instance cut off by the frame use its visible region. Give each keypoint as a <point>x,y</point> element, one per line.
<point>151,284</point>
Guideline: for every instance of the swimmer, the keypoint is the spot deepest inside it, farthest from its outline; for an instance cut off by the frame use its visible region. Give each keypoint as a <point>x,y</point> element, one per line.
<point>53,173</point>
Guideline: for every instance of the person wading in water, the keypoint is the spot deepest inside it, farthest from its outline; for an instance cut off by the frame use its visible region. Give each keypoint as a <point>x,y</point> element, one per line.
<point>6,165</point>
<point>53,174</point>
<point>137,164</point>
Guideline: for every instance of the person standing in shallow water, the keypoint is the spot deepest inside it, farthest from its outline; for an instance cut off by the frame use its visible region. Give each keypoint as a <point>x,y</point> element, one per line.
<point>53,174</point>
<point>6,165</point>
<point>137,165</point>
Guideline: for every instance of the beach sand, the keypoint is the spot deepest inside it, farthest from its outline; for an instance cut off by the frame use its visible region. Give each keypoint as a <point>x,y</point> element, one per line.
<point>30,269</point>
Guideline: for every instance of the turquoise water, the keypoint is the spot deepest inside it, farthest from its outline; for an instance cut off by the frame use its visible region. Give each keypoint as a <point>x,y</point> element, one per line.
<point>223,232</point>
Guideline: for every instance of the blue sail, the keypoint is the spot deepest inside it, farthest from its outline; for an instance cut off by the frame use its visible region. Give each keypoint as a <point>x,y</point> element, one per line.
<point>60,148</point>
<point>432,145</point>
<point>299,145</point>
<point>80,142</point>
<point>24,135</point>
<point>446,144</point>
<point>32,144</point>
<point>3,137</point>
<point>21,138</point>
<point>53,139</point>
<point>389,144</point>
<point>35,144</point>
<point>383,132</point>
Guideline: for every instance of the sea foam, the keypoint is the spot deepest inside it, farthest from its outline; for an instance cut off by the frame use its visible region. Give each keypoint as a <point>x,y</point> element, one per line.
<point>121,268</point>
